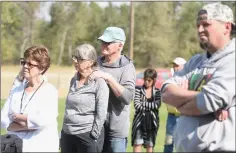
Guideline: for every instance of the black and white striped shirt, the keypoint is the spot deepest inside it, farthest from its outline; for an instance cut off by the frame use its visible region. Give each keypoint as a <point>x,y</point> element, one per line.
<point>146,111</point>
<point>141,102</point>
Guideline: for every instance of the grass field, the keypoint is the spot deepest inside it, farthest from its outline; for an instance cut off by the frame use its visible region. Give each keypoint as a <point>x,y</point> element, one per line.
<point>160,136</point>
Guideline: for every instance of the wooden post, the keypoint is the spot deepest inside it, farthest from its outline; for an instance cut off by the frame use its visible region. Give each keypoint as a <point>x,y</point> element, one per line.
<point>0,35</point>
<point>131,54</point>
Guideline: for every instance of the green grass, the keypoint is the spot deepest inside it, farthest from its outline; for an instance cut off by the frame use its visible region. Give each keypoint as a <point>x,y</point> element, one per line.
<point>160,136</point>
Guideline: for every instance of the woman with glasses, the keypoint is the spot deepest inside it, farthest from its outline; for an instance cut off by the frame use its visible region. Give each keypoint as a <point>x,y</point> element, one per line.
<point>86,105</point>
<point>31,109</point>
<point>147,102</point>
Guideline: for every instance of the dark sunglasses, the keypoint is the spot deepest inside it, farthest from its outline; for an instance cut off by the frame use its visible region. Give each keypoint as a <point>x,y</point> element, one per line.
<point>30,65</point>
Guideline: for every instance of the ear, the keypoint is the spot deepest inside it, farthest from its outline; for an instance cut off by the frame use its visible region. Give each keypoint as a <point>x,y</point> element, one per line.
<point>90,63</point>
<point>228,28</point>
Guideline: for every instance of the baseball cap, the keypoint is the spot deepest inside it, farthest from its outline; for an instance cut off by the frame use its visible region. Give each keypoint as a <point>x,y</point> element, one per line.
<point>112,34</point>
<point>218,11</point>
<point>179,61</point>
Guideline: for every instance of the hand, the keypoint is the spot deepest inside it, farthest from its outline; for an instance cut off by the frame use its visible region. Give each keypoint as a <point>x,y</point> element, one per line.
<point>100,74</point>
<point>222,115</point>
<point>184,84</point>
<point>16,117</point>
<point>13,116</point>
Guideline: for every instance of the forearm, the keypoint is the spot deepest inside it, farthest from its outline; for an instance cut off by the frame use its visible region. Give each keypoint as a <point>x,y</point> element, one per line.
<point>156,106</point>
<point>177,96</point>
<point>123,90</point>
<point>20,119</point>
<point>99,120</point>
<point>97,126</point>
<point>115,86</point>
<point>190,108</point>
<point>138,105</point>
<point>14,126</point>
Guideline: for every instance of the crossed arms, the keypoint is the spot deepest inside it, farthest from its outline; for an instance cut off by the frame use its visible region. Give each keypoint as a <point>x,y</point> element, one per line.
<point>214,97</point>
<point>19,123</point>
<point>184,100</point>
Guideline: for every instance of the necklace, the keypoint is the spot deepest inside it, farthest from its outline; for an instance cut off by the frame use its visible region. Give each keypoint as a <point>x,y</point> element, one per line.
<point>21,111</point>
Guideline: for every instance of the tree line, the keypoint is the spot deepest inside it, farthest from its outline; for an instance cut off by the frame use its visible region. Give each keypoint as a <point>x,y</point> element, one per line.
<point>162,30</point>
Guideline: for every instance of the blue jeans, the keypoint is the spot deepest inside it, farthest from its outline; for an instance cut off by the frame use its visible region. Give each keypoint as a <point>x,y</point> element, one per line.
<point>115,145</point>
<point>170,126</point>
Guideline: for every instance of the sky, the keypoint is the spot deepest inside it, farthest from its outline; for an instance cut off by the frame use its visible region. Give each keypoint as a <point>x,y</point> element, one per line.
<point>44,8</point>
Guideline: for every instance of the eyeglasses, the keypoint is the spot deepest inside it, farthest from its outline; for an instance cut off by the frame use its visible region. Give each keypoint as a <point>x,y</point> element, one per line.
<point>77,59</point>
<point>30,65</point>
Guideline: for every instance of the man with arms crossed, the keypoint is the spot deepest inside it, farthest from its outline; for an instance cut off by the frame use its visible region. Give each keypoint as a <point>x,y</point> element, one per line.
<point>206,85</point>
<point>119,72</point>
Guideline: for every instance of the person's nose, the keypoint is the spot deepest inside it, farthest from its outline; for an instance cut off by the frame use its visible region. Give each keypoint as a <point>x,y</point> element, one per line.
<point>26,65</point>
<point>200,29</point>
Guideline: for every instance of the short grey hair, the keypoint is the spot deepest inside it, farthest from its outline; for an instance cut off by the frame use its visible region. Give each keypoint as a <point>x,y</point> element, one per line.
<point>86,52</point>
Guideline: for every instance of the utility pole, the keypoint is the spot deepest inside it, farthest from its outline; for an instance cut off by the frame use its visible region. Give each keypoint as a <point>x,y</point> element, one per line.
<point>0,34</point>
<point>0,40</point>
<point>131,31</point>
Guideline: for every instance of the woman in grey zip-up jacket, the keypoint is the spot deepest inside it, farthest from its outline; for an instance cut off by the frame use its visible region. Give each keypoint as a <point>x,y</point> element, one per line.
<point>86,106</point>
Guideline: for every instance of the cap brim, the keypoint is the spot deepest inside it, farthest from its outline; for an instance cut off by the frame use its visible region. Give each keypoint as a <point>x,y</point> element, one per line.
<point>174,63</point>
<point>105,38</point>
